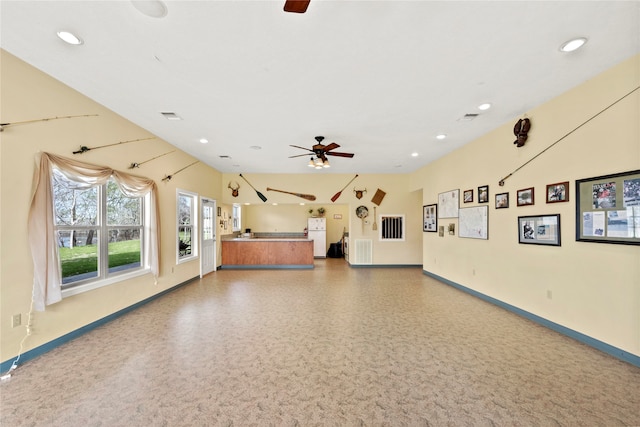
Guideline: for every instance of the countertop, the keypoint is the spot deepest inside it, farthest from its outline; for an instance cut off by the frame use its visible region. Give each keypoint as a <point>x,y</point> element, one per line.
<point>268,239</point>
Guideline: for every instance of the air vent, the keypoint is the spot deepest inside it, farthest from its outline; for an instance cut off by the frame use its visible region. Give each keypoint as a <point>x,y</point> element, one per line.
<point>468,117</point>
<point>171,116</point>
<point>363,251</point>
<point>225,157</point>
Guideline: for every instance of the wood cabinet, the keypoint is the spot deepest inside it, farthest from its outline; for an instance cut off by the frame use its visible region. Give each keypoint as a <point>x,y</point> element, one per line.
<point>267,253</point>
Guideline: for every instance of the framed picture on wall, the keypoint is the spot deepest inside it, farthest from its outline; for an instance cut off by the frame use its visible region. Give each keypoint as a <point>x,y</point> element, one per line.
<point>608,208</point>
<point>525,197</point>
<point>448,204</point>
<point>539,230</point>
<point>558,192</point>
<point>483,194</point>
<point>430,218</point>
<point>502,200</point>
<point>467,196</point>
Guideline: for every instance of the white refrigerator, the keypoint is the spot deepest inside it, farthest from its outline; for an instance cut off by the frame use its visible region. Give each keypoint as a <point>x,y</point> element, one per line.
<point>317,228</point>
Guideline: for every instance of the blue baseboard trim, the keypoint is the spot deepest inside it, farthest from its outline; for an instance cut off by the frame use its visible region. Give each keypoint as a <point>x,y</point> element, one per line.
<point>44,348</point>
<point>269,267</point>
<point>385,265</point>
<point>578,336</point>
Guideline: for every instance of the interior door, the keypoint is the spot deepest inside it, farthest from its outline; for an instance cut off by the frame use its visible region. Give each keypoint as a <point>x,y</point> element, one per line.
<point>208,237</point>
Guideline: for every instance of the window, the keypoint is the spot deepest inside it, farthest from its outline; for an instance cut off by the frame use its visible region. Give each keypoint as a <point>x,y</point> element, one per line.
<point>92,218</point>
<point>236,216</point>
<point>187,234</point>
<point>392,228</point>
<point>99,230</point>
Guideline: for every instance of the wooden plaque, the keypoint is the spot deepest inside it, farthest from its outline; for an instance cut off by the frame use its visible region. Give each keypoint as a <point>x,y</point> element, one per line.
<point>377,198</point>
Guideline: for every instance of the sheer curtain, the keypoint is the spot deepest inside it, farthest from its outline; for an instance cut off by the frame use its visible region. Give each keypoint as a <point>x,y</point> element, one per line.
<point>44,249</point>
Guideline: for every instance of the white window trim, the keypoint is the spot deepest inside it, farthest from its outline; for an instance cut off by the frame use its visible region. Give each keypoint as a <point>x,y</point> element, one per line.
<point>105,277</point>
<point>236,219</point>
<point>195,230</point>
<point>100,283</point>
<point>404,226</point>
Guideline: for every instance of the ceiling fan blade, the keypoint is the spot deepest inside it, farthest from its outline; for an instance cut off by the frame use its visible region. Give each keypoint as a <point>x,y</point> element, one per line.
<point>299,155</point>
<point>297,146</point>
<point>339,154</point>
<point>296,6</point>
<point>331,146</point>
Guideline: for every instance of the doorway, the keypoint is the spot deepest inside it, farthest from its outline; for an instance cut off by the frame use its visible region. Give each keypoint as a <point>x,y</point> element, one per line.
<point>208,257</point>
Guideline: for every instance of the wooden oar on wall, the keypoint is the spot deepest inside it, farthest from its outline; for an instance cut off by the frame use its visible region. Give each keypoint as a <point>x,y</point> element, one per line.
<point>262,196</point>
<point>375,215</point>
<point>335,196</point>
<point>310,197</point>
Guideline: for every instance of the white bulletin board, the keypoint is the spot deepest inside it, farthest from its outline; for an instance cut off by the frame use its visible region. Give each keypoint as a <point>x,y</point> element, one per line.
<point>473,223</point>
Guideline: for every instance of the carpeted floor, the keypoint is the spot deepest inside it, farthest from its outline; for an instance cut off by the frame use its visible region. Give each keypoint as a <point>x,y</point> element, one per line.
<point>333,346</point>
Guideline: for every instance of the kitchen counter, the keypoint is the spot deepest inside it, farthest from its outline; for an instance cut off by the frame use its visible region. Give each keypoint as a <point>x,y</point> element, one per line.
<point>255,253</point>
<point>268,239</point>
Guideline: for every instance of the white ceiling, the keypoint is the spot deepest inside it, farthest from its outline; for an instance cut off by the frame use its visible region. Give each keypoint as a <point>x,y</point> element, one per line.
<point>380,78</point>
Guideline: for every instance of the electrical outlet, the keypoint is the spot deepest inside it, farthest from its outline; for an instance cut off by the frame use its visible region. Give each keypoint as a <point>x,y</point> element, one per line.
<point>16,320</point>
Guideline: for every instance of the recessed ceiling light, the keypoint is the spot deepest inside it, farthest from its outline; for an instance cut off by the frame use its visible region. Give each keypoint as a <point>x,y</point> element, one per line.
<point>256,147</point>
<point>573,44</point>
<point>414,154</point>
<point>152,8</point>
<point>441,136</point>
<point>204,140</point>
<point>70,38</point>
<point>484,106</point>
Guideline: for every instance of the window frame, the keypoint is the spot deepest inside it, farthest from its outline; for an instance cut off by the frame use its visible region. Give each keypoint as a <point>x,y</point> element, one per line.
<point>236,217</point>
<point>381,227</point>
<point>104,276</point>
<point>194,226</point>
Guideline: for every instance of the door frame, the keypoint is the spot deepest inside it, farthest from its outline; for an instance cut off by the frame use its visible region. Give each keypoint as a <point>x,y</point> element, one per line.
<point>203,202</point>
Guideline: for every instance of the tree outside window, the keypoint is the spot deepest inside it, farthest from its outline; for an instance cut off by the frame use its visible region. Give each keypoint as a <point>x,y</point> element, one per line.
<point>99,230</point>
<point>187,220</point>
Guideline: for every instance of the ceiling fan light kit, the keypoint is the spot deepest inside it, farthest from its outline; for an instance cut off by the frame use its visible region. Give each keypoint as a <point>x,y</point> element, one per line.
<point>321,151</point>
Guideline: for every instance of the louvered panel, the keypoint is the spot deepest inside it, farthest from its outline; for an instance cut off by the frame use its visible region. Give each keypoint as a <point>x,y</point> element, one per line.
<point>363,251</point>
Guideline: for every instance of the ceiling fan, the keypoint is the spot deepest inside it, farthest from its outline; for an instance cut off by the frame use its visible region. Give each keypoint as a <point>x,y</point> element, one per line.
<point>321,152</point>
<point>296,6</point>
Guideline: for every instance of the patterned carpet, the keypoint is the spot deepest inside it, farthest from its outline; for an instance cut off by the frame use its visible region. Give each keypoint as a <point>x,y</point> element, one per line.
<point>333,346</point>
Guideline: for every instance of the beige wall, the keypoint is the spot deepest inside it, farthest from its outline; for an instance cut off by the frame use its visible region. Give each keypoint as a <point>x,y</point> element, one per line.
<point>29,94</point>
<point>594,288</point>
<point>290,216</point>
